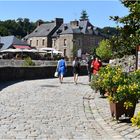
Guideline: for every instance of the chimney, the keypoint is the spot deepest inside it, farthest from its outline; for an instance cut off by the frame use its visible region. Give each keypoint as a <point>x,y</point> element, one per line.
<point>59,21</point>
<point>39,22</point>
<point>74,24</point>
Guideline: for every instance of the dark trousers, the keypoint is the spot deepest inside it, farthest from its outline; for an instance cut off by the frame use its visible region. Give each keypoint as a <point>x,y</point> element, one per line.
<point>89,76</point>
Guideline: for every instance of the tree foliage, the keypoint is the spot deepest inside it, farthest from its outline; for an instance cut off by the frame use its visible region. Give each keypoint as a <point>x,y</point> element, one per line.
<point>129,35</point>
<point>84,15</point>
<point>104,50</point>
<point>108,31</point>
<point>20,27</point>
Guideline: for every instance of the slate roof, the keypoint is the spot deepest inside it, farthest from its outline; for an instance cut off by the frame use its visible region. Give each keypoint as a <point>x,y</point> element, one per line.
<point>42,30</point>
<point>8,41</point>
<point>81,28</point>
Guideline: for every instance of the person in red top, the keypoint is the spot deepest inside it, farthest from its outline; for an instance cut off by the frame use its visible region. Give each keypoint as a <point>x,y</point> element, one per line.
<point>96,64</point>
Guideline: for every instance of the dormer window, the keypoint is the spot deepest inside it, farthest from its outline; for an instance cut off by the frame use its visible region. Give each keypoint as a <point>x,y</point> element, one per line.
<point>59,31</point>
<point>89,27</point>
<point>80,27</point>
<point>65,27</point>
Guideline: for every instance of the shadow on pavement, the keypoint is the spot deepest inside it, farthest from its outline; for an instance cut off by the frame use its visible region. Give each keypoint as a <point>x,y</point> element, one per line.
<point>49,86</point>
<point>83,83</point>
<point>68,82</point>
<point>8,83</point>
<point>124,120</point>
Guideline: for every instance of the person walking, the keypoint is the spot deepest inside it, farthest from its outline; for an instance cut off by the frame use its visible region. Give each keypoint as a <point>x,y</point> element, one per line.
<point>61,68</point>
<point>89,68</point>
<point>96,64</point>
<point>76,69</point>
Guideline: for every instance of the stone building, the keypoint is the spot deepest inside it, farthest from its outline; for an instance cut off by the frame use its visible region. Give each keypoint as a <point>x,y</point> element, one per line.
<point>42,35</point>
<point>73,39</point>
<point>76,38</point>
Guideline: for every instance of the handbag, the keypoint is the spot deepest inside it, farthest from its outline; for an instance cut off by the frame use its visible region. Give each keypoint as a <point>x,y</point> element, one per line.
<point>56,74</point>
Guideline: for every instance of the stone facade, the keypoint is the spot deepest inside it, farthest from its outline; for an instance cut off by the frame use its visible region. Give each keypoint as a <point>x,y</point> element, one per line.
<point>42,36</point>
<point>74,38</point>
<point>69,44</point>
<point>38,42</point>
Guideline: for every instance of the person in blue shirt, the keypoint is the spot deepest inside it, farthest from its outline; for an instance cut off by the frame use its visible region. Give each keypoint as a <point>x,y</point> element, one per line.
<point>61,68</point>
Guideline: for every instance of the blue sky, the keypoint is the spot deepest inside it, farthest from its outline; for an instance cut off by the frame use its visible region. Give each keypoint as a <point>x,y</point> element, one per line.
<point>98,11</point>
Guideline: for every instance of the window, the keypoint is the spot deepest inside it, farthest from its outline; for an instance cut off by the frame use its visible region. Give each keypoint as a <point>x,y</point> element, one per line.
<point>65,42</point>
<point>31,42</point>
<point>43,42</point>
<point>64,52</point>
<point>54,42</point>
<point>36,42</point>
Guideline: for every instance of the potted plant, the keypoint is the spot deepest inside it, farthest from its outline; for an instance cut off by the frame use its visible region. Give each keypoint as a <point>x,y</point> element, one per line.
<point>123,89</point>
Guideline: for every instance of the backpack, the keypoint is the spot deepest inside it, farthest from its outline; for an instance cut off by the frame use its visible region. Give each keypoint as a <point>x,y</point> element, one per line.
<point>76,64</point>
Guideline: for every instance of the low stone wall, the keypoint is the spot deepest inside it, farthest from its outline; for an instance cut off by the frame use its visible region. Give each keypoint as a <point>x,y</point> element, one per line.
<point>19,63</point>
<point>28,73</point>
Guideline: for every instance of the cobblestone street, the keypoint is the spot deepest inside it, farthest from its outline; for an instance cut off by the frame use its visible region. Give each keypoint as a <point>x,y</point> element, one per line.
<point>47,110</point>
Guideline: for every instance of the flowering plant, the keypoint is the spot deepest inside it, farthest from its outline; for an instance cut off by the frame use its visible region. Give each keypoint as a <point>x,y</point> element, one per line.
<point>119,85</point>
<point>136,120</point>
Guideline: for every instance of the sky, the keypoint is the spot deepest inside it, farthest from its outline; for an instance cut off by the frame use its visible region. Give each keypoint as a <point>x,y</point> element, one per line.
<point>98,11</point>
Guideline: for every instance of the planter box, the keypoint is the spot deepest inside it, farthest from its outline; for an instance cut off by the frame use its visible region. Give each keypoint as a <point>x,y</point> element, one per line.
<point>118,109</point>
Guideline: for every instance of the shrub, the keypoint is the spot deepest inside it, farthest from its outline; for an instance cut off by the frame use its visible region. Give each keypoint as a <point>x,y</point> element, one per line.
<point>104,51</point>
<point>28,62</point>
<point>120,86</point>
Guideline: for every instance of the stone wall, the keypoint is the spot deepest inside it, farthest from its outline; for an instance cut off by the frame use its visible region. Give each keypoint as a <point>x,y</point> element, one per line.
<point>128,63</point>
<point>19,63</point>
<point>27,73</point>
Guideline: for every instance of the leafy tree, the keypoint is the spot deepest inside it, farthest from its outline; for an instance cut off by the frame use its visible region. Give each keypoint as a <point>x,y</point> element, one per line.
<point>3,31</point>
<point>104,50</point>
<point>109,31</point>
<point>84,15</point>
<point>129,34</point>
<point>20,27</point>
<point>74,51</point>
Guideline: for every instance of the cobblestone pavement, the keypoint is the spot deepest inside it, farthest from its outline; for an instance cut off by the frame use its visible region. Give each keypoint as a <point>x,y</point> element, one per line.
<point>47,110</point>
<point>124,128</point>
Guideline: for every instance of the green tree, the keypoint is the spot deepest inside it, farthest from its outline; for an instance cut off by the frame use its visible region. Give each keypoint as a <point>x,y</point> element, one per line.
<point>108,31</point>
<point>104,50</point>
<point>84,15</point>
<point>129,35</point>
<point>74,51</point>
<point>20,27</point>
